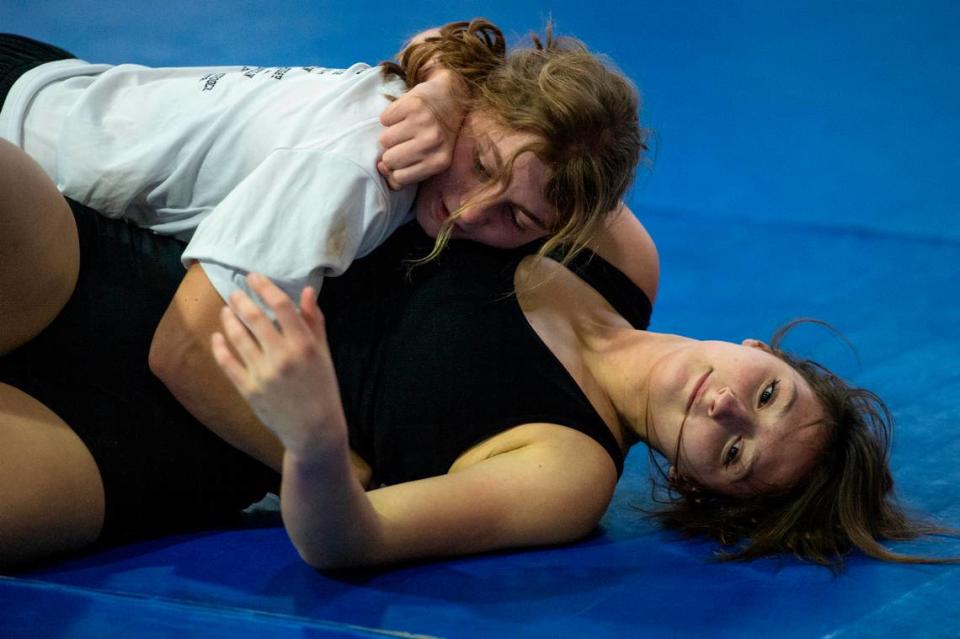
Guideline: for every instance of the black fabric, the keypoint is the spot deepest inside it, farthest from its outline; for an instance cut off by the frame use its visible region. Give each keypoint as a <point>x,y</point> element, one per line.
<point>436,360</point>
<point>615,287</point>
<point>19,54</point>
<point>162,470</point>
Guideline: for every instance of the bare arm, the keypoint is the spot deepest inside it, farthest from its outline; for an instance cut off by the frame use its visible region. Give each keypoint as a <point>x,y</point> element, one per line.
<point>546,490</point>
<point>180,356</point>
<point>625,243</point>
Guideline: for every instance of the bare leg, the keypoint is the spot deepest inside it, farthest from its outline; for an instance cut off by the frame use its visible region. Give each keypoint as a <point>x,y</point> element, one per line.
<point>52,493</point>
<point>39,250</point>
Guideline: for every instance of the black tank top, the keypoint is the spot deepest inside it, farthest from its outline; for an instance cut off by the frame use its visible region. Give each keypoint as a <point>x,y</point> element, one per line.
<point>434,360</point>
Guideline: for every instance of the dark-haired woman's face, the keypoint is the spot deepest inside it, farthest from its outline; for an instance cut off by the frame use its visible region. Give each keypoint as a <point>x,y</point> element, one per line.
<point>744,420</point>
<point>517,216</point>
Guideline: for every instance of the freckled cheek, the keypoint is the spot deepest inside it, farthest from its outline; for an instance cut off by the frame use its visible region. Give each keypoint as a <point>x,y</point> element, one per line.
<point>695,447</point>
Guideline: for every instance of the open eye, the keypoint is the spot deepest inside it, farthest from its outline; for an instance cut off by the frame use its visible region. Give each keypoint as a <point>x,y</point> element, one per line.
<point>768,393</point>
<point>733,453</point>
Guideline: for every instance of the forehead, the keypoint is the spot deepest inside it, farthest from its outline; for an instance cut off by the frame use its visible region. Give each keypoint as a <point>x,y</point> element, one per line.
<point>498,144</point>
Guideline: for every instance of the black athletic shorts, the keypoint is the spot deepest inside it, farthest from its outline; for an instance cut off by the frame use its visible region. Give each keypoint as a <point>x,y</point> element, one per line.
<point>19,54</point>
<point>162,470</point>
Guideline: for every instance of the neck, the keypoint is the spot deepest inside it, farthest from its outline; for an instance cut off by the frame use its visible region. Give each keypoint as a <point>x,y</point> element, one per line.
<point>622,359</point>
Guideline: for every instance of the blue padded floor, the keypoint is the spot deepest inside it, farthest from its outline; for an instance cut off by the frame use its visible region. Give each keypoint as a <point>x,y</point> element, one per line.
<point>806,165</point>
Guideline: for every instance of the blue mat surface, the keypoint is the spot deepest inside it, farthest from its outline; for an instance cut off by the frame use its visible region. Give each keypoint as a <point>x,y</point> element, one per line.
<point>806,165</point>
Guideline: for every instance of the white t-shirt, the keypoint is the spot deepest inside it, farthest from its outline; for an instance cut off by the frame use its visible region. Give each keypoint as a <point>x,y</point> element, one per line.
<point>271,169</point>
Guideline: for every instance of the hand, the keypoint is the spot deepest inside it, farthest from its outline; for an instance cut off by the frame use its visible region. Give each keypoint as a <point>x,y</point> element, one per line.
<point>284,372</point>
<point>422,128</point>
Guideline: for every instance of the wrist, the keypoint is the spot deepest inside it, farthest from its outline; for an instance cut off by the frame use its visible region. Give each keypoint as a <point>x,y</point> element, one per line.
<point>321,450</point>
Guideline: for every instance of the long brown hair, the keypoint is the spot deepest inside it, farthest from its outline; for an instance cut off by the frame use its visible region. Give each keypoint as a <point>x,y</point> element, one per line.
<point>846,501</point>
<point>583,114</point>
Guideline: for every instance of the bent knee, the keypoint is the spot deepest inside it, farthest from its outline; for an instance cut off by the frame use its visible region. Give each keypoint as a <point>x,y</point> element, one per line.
<point>39,249</point>
<point>52,493</point>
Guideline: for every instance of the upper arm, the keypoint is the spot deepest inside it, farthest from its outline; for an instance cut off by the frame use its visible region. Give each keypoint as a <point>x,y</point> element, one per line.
<point>191,318</point>
<point>546,492</point>
<point>299,216</point>
<point>624,242</point>
<point>180,355</point>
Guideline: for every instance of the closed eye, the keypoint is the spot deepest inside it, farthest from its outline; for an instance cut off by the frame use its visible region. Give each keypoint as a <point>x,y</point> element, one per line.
<point>478,166</point>
<point>518,219</point>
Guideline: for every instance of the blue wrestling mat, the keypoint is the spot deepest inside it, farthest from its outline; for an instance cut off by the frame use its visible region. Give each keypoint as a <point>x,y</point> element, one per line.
<point>806,165</point>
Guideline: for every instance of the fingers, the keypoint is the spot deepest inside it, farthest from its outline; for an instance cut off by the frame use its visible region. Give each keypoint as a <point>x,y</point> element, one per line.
<point>387,175</point>
<point>311,314</point>
<point>257,328</point>
<point>280,305</point>
<point>416,159</point>
<point>247,349</point>
<point>248,329</point>
<point>394,113</point>
<point>416,144</point>
<point>229,364</point>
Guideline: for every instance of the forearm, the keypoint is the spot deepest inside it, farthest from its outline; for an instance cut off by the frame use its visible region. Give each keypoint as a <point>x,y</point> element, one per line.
<point>194,379</point>
<point>327,513</point>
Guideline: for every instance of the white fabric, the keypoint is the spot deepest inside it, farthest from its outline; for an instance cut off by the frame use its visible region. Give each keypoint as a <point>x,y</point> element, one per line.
<point>266,169</point>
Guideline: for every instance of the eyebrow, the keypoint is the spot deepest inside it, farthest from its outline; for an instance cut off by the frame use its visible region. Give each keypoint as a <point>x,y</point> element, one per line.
<point>498,159</point>
<point>745,478</point>
<point>790,402</point>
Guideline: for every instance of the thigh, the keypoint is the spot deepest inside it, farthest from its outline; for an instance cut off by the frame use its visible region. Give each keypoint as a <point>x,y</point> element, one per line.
<point>52,494</point>
<point>39,250</point>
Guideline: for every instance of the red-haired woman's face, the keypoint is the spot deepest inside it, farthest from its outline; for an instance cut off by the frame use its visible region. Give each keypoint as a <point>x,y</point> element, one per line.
<point>515,217</point>
<point>742,420</point>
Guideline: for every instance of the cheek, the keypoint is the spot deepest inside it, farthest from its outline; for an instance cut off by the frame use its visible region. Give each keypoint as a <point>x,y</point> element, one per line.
<point>697,448</point>
<point>508,237</point>
<point>423,207</point>
<point>486,235</point>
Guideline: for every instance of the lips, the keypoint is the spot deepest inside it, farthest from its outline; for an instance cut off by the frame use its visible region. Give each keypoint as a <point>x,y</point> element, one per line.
<point>697,390</point>
<point>442,213</point>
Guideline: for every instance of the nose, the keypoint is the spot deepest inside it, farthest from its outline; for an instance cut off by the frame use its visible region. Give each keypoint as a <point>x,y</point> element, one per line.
<point>726,407</point>
<point>474,216</point>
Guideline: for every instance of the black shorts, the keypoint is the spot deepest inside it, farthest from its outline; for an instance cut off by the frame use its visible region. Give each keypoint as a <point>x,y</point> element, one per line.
<point>162,470</point>
<point>19,54</point>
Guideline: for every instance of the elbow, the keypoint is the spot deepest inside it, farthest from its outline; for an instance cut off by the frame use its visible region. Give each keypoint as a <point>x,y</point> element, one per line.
<point>340,552</point>
<point>170,355</point>
<point>325,561</point>
<point>322,563</point>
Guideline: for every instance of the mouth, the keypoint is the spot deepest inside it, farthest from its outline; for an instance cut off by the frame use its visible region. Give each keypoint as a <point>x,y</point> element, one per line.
<point>442,213</point>
<point>697,390</point>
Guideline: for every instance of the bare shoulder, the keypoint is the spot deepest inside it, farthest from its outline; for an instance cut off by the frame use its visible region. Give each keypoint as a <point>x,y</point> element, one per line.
<point>625,243</point>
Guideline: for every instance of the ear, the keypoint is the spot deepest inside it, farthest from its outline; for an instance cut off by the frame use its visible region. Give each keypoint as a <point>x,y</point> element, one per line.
<point>755,343</point>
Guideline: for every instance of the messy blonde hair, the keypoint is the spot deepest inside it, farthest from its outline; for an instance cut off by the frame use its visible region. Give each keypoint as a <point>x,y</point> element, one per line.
<point>583,114</point>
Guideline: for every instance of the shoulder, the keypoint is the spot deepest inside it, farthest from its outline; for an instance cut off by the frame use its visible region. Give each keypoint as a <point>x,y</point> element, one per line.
<point>625,243</point>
